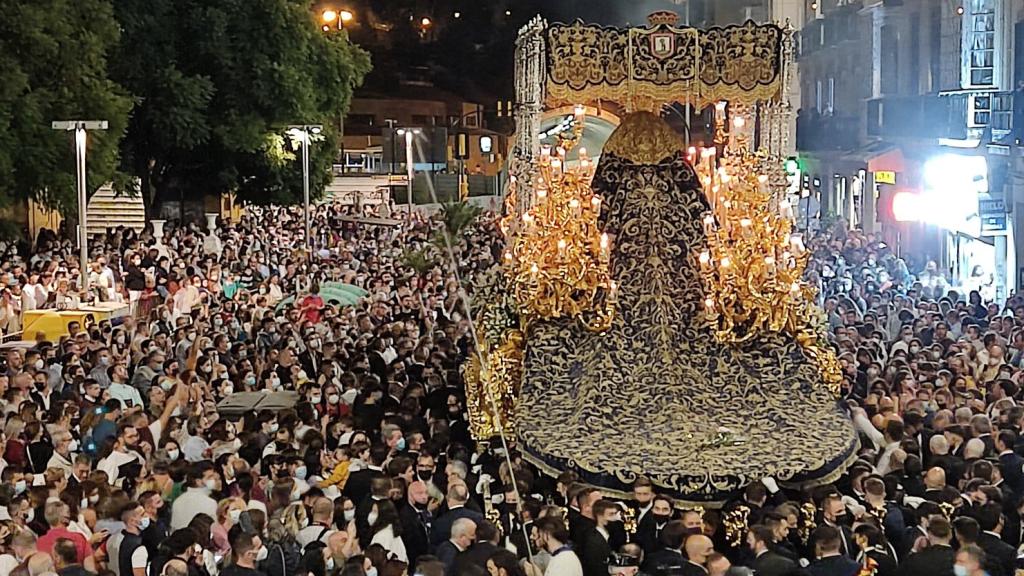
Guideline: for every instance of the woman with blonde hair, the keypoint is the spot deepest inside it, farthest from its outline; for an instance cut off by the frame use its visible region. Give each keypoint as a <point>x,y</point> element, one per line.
<point>284,551</point>
<point>15,452</point>
<point>229,510</point>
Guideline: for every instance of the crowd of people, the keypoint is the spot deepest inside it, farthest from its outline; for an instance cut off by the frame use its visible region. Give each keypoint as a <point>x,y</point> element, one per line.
<point>116,459</point>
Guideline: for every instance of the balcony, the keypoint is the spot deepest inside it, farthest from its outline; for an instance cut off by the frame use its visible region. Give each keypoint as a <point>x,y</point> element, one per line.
<point>989,116</point>
<point>928,116</point>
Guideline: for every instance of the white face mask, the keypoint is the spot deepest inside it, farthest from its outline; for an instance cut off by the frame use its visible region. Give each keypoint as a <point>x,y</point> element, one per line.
<point>349,514</point>
<point>173,455</point>
<point>371,518</point>
<point>262,554</point>
<point>234,515</point>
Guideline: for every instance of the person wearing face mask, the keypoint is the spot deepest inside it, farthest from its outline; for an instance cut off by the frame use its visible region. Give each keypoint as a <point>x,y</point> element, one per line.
<point>247,552</point>
<point>128,555</point>
<point>834,514</point>
<point>648,531</point>
<point>202,480</point>
<point>229,511</point>
<point>592,543</point>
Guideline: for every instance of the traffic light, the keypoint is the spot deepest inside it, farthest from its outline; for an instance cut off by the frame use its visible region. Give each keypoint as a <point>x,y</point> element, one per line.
<point>792,166</point>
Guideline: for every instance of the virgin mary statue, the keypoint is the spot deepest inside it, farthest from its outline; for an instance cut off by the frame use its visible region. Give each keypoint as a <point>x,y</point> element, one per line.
<point>656,395</point>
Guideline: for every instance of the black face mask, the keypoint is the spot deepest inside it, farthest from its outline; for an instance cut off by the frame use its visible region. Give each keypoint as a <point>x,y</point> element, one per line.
<point>661,518</point>
<point>842,519</point>
<point>424,475</point>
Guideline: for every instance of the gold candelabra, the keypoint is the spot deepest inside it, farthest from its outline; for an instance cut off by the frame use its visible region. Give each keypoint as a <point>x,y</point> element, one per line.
<point>754,264</point>
<point>558,259</point>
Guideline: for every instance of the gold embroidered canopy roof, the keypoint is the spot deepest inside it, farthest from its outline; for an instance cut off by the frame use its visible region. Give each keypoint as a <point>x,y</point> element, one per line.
<point>663,63</point>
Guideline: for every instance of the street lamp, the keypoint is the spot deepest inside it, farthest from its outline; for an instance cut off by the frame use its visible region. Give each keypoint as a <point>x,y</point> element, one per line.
<point>409,134</point>
<point>80,127</point>
<point>302,133</point>
<point>330,16</point>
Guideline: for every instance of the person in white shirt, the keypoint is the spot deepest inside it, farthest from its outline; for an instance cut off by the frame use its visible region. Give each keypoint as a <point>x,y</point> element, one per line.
<point>552,535</point>
<point>125,452</point>
<point>202,480</point>
<point>61,458</point>
<point>119,388</point>
<point>320,529</point>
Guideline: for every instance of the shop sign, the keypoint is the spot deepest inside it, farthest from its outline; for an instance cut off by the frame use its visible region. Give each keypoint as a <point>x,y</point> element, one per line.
<point>993,215</point>
<point>885,177</point>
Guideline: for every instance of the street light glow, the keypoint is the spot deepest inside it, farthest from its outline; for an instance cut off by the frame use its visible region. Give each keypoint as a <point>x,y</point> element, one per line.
<point>425,22</point>
<point>458,15</point>
<point>330,16</point>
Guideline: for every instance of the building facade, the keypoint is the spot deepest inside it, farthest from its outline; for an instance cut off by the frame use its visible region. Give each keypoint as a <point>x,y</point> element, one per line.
<point>905,128</point>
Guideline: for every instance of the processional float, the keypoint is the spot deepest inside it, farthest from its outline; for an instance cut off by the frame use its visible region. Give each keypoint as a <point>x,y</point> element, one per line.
<point>650,316</point>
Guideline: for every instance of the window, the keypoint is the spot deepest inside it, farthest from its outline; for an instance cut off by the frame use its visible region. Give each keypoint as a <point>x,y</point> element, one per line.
<point>980,34</point>
<point>1002,112</point>
<point>831,96</point>
<point>817,95</point>
<point>365,120</point>
<point>982,110</point>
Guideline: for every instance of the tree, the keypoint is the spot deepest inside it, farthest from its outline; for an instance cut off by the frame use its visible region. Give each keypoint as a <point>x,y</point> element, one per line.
<point>54,66</point>
<point>217,83</point>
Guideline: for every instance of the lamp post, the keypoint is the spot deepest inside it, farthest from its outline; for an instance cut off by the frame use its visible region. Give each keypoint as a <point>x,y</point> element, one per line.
<point>81,127</point>
<point>409,134</point>
<point>342,17</point>
<point>302,133</point>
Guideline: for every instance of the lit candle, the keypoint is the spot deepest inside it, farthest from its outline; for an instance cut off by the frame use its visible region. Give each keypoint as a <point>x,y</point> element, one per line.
<point>561,245</point>
<point>545,151</point>
<point>710,303</point>
<point>574,204</point>
<point>604,242</point>
<point>762,178</point>
<point>583,152</point>
<point>542,193</point>
<point>556,164</point>
<point>745,222</point>
<point>794,288</point>
<point>739,122</point>
<point>709,221</point>
<point>705,258</point>
<point>580,112</point>
<point>533,268</point>
<point>508,256</point>
<point>615,289</point>
<point>596,202</point>
<point>726,262</point>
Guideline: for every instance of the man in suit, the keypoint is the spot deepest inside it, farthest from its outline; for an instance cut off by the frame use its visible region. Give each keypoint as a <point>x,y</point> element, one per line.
<point>999,553</point>
<point>357,487</point>
<point>416,521</point>
<point>463,534</point>
<point>1012,464</point>
<point>592,545</point>
<point>668,557</point>
<point>834,514</point>
<point>458,495</point>
<point>831,561</point>
<point>486,545</point>
<point>766,562</point>
<point>938,557</point>
<point>654,521</point>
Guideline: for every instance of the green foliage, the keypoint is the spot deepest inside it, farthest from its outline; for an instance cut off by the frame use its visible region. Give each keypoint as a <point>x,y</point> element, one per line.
<point>218,82</point>
<point>419,260</point>
<point>54,66</point>
<point>457,216</point>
